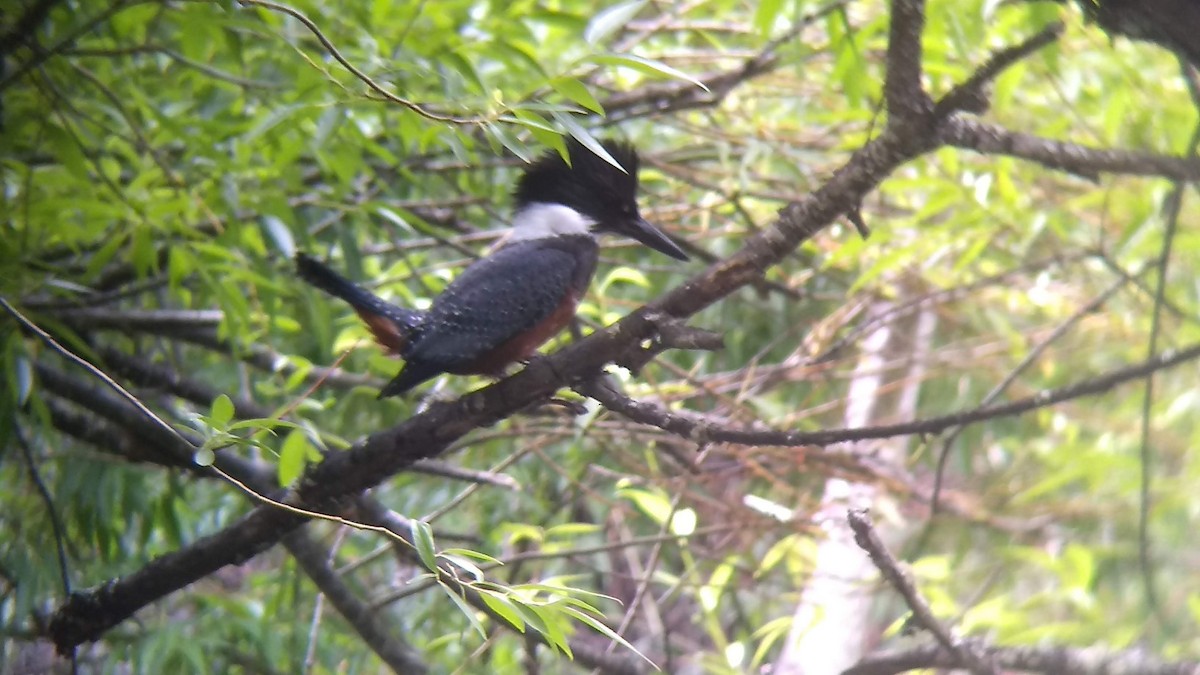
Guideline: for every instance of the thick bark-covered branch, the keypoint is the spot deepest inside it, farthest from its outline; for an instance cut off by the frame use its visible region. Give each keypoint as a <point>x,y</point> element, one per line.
<point>1089,162</point>
<point>906,98</point>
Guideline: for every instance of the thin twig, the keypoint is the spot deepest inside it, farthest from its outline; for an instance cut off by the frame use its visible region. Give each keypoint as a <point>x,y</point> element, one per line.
<point>702,430</point>
<point>337,55</point>
<point>1146,456</point>
<point>899,579</point>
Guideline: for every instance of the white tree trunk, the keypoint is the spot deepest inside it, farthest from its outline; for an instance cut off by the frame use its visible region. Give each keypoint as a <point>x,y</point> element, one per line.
<point>831,629</point>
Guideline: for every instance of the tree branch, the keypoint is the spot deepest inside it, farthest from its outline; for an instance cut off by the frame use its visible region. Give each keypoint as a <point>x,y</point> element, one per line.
<point>702,431</point>
<point>885,562</point>
<point>906,99</point>
<point>1088,162</point>
<point>967,94</point>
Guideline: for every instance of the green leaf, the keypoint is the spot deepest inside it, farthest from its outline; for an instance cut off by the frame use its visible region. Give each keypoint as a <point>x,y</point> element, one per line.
<point>610,20</point>
<point>467,610</point>
<point>204,457</point>
<point>468,553</point>
<point>504,607</point>
<point>263,423</point>
<point>554,628</point>
<point>768,634</point>
<point>143,252</point>
<point>292,456</point>
<point>606,632</point>
<point>644,65</point>
<point>221,411</point>
<point>779,550</point>
<point>577,92</point>
<point>655,505</point>
<point>683,523</point>
<point>464,565</point>
<point>586,139</point>
<point>422,535</point>
<point>622,274</point>
<point>710,593</point>
<point>572,530</point>
<point>499,133</point>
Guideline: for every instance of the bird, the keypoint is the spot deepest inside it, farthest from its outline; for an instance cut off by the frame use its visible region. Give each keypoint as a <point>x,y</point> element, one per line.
<point>507,304</point>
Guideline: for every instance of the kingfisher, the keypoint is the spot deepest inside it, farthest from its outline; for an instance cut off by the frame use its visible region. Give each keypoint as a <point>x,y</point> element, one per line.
<point>505,305</point>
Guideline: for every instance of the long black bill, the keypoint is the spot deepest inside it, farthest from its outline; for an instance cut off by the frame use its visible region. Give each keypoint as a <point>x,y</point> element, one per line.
<point>651,236</point>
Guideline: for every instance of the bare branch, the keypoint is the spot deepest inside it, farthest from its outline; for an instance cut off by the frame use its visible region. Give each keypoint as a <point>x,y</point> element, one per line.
<point>1081,160</point>
<point>1145,452</point>
<point>906,99</point>
<point>674,96</point>
<point>150,320</point>
<point>700,430</point>
<point>965,95</point>
<point>869,541</point>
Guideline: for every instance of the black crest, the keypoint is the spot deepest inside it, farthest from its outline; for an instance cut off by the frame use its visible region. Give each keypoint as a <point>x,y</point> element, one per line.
<point>589,184</point>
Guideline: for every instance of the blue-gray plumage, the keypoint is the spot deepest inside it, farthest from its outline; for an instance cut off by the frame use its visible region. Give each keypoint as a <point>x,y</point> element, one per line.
<point>496,311</point>
<point>506,305</point>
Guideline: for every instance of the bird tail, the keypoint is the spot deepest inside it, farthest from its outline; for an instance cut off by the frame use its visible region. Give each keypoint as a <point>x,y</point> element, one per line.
<point>409,376</point>
<point>392,325</point>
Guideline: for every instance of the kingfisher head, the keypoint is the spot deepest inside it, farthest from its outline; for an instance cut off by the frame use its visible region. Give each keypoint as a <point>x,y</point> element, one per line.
<point>587,196</point>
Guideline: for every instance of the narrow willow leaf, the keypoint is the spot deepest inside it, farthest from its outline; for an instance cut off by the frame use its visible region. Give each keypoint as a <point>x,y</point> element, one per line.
<point>554,627</point>
<point>606,632</point>
<point>467,610</point>
<point>577,92</point>
<point>503,607</point>
<point>611,20</point>
<point>24,379</point>
<point>586,139</point>
<point>422,536</point>
<point>644,65</point>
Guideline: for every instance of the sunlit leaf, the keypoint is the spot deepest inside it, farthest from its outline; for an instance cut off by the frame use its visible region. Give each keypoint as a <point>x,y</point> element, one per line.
<point>577,92</point>
<point>612,19</point>
<point>503,607</point>
<point>645,65</point>
<point>292,456</point>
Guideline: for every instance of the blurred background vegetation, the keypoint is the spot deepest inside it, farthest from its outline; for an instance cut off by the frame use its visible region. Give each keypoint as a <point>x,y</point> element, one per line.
<point>161,162</point>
